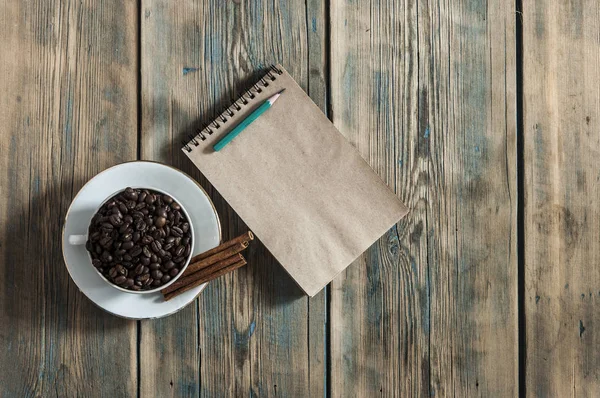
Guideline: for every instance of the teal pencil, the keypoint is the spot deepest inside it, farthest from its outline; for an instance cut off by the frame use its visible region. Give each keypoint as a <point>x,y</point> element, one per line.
<point>246,122</point>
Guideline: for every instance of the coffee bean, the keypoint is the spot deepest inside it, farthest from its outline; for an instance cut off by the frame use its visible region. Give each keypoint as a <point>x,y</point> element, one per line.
<point>128,219</point>
<point>127,264</point>
<point>176,231</point>
<point>98,249</point>
<point>156,246</point>
<point>154,258</point>
<point>96,263</point>
<point>139,269</point>
<point>115,220</point>
<point>156,234</point>
<point>170,239</point>
<point>142,278</point>
<point>107,225</point>
<point>177,218</point>
<point>156,282</point>
<point>169,264</point>
<point>175,206</point>
<point>156,274</point>
<point>140,225</point>
<point>135,251</point>
<point>146,270</point>
<point>140,206</point>
<point>130,204</point>
<point>160,222</point>
<point>127,245</point>
<point>123,228</point>
<point>179,259</point>
<point>130,193</point>
<point>136,236</point>
<point>171,218</point>
<point>150,199</point>
<point>113,272</point>
<point>169,246</point>
<point>137,215</point>
<point>136,287</point>
<point>146,240</point>
<point>142,197</point>
<point>160,212</point>
<point>173,272</point>
<point>179,251</point>
<point>188,250</point>
<point>177,241</point>
<point>95,236</point>
<point>110,204</point>
<point>146,251</point>
<point>154,266</point>
<point>167,199</point>
<point>148,281</point>
<point>105,241</point>
<point>185,227</point>
<point>123,208</point>
<point>127,257</point>
<point>145,260</point>
<point>106,257</point>
<point>119,279</point>
<point>167,231</point>
<point>145,212</point>
<point>162,253</point>
<point>127,237</point>
<point>165,278</point>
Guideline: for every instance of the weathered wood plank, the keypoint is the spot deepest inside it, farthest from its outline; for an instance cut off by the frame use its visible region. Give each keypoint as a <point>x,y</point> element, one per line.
<point>257,333</point>
<point>561,142</point>
<point>426,92</point>
<point>67,111</point>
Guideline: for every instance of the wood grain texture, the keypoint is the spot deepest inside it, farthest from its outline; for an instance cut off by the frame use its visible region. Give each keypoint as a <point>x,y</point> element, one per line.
<point>426,92</point>
<point>561,179</point>
<point>258,334</point>
<point>67,111</point>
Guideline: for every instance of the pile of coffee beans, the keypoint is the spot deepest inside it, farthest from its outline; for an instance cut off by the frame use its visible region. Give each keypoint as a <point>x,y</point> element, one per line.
<point>139,239</point>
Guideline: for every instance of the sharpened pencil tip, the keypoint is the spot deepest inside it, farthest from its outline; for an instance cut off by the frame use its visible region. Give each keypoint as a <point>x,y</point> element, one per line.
<point>275,96</point>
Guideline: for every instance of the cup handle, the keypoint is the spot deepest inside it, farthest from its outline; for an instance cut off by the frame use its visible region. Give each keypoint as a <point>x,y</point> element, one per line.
<point>77,239</point>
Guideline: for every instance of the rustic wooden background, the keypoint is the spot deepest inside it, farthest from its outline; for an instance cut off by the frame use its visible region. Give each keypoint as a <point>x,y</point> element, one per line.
<point>482,115</point>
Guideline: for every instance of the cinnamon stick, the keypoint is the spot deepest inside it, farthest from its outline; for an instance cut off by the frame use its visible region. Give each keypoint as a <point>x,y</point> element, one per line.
<point>206,278</point>
<point>215,258</point>
<point>188,278</point>
<point>247,237</point>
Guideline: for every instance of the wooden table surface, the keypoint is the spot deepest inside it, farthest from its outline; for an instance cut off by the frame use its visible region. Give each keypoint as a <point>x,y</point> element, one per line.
<point>483,116</point>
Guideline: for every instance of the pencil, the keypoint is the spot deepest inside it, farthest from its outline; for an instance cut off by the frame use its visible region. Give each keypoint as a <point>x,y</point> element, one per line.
<point>246,122</point>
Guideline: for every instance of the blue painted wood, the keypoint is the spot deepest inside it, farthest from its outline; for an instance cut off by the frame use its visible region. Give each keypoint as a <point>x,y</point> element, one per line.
<point>426,93</point>
<point>68,78</point>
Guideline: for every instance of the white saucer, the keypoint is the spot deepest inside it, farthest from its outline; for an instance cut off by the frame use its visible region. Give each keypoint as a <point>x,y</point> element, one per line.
<point>207,231</point>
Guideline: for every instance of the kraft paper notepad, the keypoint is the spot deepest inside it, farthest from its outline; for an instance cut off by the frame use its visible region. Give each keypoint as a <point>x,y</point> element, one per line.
<point>296,182</point>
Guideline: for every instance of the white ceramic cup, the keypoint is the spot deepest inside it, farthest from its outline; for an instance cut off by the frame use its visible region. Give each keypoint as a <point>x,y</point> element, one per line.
<point>78,240</point>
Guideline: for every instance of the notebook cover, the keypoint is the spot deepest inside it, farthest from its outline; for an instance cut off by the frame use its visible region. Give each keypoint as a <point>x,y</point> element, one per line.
<point>297,183</point>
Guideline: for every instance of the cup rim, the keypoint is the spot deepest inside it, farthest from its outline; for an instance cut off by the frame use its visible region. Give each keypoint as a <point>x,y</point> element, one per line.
<point>181,271</point>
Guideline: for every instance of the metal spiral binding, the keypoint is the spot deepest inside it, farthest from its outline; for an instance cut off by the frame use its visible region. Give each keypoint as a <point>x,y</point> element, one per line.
<point>244,98</point>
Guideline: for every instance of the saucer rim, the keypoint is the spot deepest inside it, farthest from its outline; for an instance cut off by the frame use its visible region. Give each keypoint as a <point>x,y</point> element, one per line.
<point>202,287</point>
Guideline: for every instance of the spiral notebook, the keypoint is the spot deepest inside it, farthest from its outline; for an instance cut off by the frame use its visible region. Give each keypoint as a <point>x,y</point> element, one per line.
<point>296,182</point>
